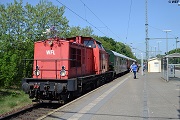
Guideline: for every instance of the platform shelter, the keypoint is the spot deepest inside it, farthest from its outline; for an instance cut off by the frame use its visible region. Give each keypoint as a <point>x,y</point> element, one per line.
<point>170,65</point>
<point>154,65</point>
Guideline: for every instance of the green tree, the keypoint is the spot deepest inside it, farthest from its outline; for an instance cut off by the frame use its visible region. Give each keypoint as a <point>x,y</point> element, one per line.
<point>20,27</point>
<point>78,31</point>
<point>119,47</point>
<point>12,23</point>
<point>175,60</point>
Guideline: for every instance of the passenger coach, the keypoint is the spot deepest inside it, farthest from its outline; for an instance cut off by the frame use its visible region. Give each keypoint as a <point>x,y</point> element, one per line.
<point>119,63</point>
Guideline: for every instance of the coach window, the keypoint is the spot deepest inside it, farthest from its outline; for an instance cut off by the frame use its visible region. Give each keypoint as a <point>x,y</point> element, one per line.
<point>89,43</point>
<point>117,61</point>
<point>120,61</point>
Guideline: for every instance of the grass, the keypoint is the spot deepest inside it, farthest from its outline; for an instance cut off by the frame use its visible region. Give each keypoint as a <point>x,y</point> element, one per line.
<point>12,99</point>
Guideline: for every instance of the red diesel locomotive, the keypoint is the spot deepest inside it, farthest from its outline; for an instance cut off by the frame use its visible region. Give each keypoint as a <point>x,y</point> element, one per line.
<point>64,68</point>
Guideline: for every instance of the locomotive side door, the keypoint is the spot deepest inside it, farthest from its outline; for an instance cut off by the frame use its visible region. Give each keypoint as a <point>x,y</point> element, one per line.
<point>102,57</point>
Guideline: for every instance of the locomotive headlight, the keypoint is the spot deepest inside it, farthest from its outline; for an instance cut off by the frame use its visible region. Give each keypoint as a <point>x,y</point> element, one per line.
<point>37,72</point>
<point>63,71</point>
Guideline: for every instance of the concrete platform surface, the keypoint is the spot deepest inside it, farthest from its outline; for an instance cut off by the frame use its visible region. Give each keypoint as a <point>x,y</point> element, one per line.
<point>146,98</point>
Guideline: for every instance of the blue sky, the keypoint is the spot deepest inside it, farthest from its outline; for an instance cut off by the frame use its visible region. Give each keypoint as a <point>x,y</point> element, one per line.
<point>124,20</point>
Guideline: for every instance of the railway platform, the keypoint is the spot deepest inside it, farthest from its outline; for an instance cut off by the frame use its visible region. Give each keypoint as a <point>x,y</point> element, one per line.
<point>148,97</point>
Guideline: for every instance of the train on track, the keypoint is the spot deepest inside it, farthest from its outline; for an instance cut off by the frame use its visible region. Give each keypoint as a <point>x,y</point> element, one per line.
<point>65,68</point>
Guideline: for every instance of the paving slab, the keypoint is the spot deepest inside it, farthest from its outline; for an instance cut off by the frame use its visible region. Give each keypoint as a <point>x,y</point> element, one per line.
<point>148,97</point>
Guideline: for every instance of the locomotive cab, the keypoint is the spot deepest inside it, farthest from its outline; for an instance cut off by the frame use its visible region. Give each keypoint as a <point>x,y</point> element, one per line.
<point>100,55</point>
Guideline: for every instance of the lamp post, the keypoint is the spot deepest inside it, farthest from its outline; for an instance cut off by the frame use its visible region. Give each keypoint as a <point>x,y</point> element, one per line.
<point>155,51</point>
<point>167,39</point>
<point>142,64</point>
<point>177,42</point>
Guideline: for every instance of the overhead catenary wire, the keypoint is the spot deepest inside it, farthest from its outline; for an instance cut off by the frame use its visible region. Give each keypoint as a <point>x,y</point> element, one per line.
<point>100,19</point>
<point>162,30</point>
<point>85,11</point>
<point>129,20</point>
<point>81,17</point>
<point>89,22</point>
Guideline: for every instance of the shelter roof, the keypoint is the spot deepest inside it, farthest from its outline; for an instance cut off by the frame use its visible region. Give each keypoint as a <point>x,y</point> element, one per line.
<point>154,59</point>
<point>174,55</point>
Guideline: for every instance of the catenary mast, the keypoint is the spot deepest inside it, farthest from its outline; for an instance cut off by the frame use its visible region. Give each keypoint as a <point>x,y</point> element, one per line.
<point>146,29</point>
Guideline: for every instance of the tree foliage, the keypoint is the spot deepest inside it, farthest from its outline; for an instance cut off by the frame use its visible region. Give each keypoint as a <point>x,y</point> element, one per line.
<point>78,31</point>
<point>174,60</point>
<point>22,25</point>
<point>119,47</point>
<point>174,51</point>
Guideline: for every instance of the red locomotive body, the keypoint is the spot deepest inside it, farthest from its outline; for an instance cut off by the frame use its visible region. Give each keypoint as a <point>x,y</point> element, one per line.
<point>66,67</point>
<point>55,55</point>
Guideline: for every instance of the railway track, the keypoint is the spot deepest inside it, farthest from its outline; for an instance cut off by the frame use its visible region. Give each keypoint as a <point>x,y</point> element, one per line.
<point>32,112</point>
<point>35,111</point>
